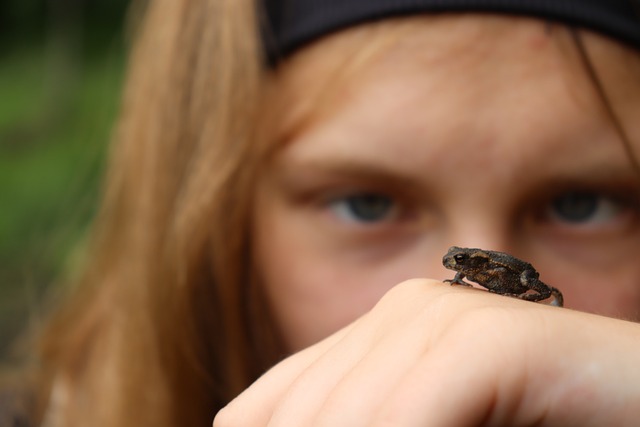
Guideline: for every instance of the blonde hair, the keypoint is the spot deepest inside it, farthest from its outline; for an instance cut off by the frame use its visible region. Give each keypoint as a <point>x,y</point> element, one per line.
<point>159,331</point>
<point>166,323</point>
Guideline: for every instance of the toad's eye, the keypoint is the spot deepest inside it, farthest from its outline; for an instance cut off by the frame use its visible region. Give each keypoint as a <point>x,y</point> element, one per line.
<point>460,257</point>
<point>365,207</point>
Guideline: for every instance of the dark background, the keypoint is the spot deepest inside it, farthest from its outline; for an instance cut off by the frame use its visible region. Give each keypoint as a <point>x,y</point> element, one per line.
<point>61,68</point>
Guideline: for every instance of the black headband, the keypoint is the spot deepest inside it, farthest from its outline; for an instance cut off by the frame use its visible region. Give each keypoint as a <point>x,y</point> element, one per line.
<point>289,24</point>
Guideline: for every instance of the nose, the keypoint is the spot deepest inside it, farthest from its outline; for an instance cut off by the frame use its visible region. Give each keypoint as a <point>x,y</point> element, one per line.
<point>482,227</point>
<point>480,230</point>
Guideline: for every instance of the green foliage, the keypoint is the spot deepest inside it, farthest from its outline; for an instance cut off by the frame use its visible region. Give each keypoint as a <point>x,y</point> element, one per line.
<point>26,21</point>
<point>56,115</point>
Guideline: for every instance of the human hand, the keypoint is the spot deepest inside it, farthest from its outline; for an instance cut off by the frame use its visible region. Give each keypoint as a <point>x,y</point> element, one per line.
<point>436,355</point>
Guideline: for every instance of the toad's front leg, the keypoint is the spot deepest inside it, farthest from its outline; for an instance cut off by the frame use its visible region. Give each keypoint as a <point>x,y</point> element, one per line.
<point>458,280</point>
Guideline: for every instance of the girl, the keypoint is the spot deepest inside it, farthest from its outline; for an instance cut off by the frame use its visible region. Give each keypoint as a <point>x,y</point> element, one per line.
<point>281,166</point>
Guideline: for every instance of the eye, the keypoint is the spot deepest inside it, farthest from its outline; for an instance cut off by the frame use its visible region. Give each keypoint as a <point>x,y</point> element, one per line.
<point>365,208</point>
<point>459,257</point>
<point>583,207</point>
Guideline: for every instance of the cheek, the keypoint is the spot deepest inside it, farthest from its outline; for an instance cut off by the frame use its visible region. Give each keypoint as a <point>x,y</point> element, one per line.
<point>309,302</point>
<point>311,294</point>
<point>613,292</point>
<point>614,296</point>
<point>315,288</point>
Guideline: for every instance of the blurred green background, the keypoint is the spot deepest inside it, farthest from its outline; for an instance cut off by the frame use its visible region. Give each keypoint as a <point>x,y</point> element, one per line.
<point>61,69</point>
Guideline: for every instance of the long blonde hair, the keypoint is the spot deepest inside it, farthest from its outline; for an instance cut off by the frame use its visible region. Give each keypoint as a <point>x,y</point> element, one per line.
<point>166,323</point>
<point>162,329</point>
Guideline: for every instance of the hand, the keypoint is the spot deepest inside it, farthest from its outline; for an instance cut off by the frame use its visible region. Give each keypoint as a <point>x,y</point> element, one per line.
<point>430,354</point>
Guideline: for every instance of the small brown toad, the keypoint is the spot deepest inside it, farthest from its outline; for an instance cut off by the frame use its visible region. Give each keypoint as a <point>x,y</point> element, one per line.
<point>499,272</point>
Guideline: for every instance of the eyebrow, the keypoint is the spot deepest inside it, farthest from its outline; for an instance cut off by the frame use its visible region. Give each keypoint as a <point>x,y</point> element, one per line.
<point>303,172</point>
<point>341,169</point>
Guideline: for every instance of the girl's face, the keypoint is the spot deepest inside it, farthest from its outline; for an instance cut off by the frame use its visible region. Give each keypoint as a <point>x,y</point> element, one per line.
<point>471,131</point>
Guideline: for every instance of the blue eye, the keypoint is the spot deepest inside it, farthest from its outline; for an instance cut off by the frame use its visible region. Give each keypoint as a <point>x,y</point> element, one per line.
<point>365,207</point>
<point>584,207</point>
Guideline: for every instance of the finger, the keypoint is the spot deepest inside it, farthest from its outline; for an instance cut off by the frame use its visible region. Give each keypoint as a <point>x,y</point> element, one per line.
<point>308,392</point>
<point>404,353</point>
<point>295,390</point>
<point>445,389</point>
<point>346,384</point>
<point>254,407</point>
<point>355,399</point>
<point>478,373</point>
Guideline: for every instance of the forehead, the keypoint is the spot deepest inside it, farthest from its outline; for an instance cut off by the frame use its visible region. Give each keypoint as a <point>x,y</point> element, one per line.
<point>324,74</point>
<point>508,97</point>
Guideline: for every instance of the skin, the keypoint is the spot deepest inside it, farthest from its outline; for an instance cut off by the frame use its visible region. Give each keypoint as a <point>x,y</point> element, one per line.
<point>467,154</point>
<point>432,355</point>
